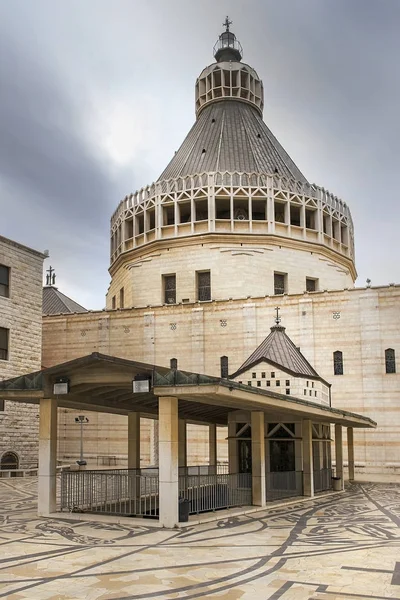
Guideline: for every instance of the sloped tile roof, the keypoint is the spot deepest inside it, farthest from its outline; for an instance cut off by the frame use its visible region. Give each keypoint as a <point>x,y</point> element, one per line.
<point>279,349</point>
<point>231,136</point>
<point>55,302</point>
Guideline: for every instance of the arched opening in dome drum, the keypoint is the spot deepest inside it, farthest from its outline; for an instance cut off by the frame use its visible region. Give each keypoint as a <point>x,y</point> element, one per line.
<point>201,209</point>
<point>223,208</point>
<point>259,209</point>
<point>185,213</point>
<point>295,215</point>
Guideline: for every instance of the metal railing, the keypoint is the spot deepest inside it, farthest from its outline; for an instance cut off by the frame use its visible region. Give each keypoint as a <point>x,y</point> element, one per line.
<point>218,469</point>
<point>129,492</point>
<point>284,484</point>
<point>322,480</point>
<point>209,492</point>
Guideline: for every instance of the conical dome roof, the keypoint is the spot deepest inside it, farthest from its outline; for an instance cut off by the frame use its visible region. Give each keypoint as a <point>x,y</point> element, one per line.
<point>229,133</point>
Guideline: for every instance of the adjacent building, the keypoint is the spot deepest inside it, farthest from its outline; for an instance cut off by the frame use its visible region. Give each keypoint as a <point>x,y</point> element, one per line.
<point>20,348</point>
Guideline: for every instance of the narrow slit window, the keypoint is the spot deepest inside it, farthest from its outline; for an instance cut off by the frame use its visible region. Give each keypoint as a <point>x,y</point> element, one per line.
<point>4,335</point>
<point>390,360</point>
<point>338,362</point>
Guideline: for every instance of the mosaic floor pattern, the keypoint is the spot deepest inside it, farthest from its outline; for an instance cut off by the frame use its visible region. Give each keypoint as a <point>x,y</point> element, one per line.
<point>346,546</point>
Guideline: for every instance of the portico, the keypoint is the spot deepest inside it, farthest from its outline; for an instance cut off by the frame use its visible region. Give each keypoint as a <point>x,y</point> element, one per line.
<point>255,418</point>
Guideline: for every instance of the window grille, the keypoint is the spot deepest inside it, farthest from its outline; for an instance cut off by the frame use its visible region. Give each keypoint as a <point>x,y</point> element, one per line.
<point>390,361</point>
<point>204,286</point>
<point>338,362</point>
<point>4,281</point>
<point>279,284</point>
<point>169,289</point>
<point>224,367</point>
<point>3,343</point>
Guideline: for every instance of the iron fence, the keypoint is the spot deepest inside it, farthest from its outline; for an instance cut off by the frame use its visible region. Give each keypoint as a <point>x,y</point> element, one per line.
<point>284,484</point>
<point>322,480</point>
<point>209,492</point>
<point>218,469</point>
<point>129,492</point>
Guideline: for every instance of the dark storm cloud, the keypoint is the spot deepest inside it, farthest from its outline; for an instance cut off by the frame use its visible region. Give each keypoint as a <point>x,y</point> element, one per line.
<point>42,152</point>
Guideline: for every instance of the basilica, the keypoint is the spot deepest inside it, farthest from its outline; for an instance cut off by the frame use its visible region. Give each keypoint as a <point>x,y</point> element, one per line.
<point>233,309</point>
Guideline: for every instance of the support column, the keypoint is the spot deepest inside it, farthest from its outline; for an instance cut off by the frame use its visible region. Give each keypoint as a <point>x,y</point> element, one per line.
<point>258,458</point>
<point>350,452</point>
<point>168,461</point>
<point>133,440</point>
<point>339,452</point>
<point>233,460</point>
<point>182,440</point>
<point>308,468</point>
<point>212,445</point>
<point>47,456</point>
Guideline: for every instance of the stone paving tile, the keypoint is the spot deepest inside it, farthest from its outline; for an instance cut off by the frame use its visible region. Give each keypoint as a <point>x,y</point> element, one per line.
<point>345,547</point>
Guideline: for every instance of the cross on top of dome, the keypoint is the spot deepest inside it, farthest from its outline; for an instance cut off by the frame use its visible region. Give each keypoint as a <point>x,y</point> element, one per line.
<point>228,47</point>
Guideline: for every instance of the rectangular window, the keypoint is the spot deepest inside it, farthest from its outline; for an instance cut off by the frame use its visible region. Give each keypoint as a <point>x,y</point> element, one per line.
<point>121,298</point>
<point>263,375</point>
<point>204,286</point>
<point>254,375</point>
<point>273,375</point>
<point>1,405</point>
<point>169,285</point>
<point>288,391</point>
<point>4,335</point>
<point>114,302</point>
<point>258,383</point>
<point>280,283</point>
<point>277,382</point>
<point>249,383</point>
<point>4,281</point>
<point>268,383</point>
<point>311,284</point>
<point>287,382</point>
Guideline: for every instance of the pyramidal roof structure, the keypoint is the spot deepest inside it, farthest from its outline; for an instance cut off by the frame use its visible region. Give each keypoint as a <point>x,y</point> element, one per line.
<point>55,302</point>
<point>229,133</point>
<point>279,350</point>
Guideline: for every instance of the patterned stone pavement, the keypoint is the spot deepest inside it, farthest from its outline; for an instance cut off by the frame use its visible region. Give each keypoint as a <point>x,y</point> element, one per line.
<point>344,546</point>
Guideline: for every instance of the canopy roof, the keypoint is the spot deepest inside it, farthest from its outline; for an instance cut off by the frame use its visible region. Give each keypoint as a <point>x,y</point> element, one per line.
<point>104,383</point>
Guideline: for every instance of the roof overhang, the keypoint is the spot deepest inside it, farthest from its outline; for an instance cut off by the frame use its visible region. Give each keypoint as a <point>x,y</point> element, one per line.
<point>104,384</point>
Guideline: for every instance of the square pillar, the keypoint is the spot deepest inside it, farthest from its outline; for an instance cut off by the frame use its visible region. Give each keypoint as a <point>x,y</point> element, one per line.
<point>212,445</point>
<point>133,440</point>
<point>350,452</point>
<point>258,458</point>
<point>233,460</point>
<point>47,456</point>
<point>308,468</point>
<point>339,452</point>
<point>182,439</point>
<point>168,461</point>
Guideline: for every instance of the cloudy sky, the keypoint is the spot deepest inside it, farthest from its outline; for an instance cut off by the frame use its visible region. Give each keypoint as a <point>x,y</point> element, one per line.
<point>96,95</point>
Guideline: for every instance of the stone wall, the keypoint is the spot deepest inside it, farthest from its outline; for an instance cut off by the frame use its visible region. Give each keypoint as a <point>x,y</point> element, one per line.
<point>234,266</point>
<point>361,323</point>
<point>21,313</point>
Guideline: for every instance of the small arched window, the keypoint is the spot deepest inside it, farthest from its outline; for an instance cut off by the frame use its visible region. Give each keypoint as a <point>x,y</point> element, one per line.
<point>390,361</point>
<point>173,363</point>
<point>338,362</point>
<point>9,460</point>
